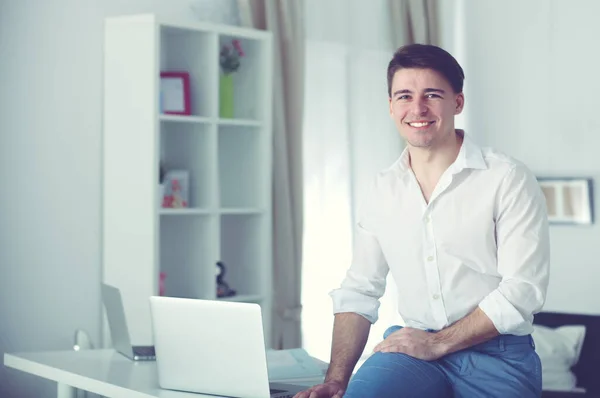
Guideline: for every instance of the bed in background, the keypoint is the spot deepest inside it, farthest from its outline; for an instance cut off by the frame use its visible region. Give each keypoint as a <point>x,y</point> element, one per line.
<point>587,369</point>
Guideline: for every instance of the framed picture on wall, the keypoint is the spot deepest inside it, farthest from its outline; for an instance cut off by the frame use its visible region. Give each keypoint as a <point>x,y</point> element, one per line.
<point>569,200</point>
<point>175,93</point>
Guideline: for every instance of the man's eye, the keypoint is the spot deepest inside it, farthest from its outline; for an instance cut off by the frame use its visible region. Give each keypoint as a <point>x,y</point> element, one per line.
<point>432,96</point>
<point>403,97</point>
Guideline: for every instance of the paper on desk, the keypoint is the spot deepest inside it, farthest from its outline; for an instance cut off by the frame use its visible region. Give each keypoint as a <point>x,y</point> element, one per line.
<point>291,364</point>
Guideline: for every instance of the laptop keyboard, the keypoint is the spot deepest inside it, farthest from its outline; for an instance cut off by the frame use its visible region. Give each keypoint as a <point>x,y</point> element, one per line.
<point>273,391</point>
<point>144,351</point>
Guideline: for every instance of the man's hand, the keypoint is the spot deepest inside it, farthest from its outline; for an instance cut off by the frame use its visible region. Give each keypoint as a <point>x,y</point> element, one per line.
<point>329,389</point>
<point>414,342</point>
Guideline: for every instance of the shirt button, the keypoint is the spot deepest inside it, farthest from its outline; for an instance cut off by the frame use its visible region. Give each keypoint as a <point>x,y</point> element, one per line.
<point>430,258</point>
<point>436,296</point>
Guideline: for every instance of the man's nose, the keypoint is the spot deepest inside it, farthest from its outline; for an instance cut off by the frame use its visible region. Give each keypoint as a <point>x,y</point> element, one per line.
<point>419,107</point>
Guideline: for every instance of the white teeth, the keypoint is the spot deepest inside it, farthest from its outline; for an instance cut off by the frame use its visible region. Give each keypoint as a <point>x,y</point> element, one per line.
<point>422,124</point>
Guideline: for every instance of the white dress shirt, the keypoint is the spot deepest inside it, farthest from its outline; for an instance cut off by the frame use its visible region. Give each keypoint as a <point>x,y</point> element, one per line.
<point>482,240</point>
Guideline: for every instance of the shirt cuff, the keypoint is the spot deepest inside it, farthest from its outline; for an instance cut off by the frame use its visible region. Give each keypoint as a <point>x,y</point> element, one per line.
<point>505,317</point>
<point>350,301</point>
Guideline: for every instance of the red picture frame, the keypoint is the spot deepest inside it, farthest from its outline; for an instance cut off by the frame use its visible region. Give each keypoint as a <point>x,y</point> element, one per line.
<point>175,93</point>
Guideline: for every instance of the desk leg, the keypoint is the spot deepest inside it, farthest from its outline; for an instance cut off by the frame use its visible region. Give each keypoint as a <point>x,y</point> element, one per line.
<point>65,391</point>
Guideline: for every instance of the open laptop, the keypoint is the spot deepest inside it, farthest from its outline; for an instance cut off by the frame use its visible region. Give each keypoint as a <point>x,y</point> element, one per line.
<point>119,333</point>
<point>212,347</point>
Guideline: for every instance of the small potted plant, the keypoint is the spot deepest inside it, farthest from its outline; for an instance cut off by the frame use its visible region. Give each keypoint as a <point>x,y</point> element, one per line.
<point>229,59</point>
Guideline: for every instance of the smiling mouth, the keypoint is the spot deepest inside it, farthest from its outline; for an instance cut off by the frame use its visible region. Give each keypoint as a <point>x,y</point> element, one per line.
<point>419,124</point>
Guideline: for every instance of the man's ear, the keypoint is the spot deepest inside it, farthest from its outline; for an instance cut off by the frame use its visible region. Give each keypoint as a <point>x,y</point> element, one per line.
<point>460,103</point>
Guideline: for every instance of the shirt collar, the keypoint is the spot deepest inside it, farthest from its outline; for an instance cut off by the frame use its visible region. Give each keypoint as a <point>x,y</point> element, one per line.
<point>470,156</point>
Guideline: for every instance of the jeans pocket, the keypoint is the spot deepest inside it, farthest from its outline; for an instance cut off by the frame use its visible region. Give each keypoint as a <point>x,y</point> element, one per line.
<point>524,358</point>
<point>535,364</point>
<point>530,367</point>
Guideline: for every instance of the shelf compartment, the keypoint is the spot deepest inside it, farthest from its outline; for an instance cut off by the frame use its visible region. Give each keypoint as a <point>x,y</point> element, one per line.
<point>245,253</point>
<point>195,52</point>
<point>241,171</point>
<point>187,253</point>
<point>250,78</point>
<point>187,146</point>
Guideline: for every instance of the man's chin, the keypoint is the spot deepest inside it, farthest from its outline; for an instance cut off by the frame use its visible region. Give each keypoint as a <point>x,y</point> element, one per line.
<point>420,143</point>
<point>421,139</point>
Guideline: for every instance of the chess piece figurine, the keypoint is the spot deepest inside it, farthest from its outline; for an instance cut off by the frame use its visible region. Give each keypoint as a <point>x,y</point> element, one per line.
<point>223,289</point>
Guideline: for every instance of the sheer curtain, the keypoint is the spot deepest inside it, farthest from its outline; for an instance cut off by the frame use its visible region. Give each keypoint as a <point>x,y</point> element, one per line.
<point>348,137</point>
<point>285,20</point>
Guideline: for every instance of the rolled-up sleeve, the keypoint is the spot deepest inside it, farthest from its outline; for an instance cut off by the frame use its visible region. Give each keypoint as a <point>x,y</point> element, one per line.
<point>523,254</point>
<point>364,283</point>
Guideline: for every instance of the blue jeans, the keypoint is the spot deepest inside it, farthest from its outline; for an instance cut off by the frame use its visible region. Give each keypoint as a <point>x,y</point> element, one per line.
<point>506,366</point>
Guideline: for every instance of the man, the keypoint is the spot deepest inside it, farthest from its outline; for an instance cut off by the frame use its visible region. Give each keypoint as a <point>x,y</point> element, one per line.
<point>464,232</point>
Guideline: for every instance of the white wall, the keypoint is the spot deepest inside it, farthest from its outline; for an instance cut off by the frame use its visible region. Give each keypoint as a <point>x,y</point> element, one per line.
<point>532,88</point>
<point>50,162</point>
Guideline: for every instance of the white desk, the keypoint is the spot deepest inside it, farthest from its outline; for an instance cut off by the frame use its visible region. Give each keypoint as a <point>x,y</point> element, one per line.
<point>103,372</point>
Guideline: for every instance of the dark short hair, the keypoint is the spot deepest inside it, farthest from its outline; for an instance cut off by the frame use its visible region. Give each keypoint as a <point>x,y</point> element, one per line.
<point>426,56</point>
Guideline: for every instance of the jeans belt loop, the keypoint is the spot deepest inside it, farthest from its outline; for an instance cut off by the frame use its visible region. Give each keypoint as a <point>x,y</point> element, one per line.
<point>501,343</point>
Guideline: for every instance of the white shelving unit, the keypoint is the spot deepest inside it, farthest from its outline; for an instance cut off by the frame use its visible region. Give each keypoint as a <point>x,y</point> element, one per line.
<point>229,160</point>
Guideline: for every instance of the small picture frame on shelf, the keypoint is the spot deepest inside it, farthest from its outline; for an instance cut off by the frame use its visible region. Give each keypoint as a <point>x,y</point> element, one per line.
<point>569,200</point>
<point>175,93</point>
<point>176,189</point>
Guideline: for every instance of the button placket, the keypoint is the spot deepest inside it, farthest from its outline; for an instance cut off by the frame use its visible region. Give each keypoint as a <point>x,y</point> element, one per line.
<point>431,268</point>
<point>429,238</point>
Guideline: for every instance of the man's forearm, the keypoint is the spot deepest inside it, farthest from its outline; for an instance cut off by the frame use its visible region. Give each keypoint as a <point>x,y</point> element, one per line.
<point>473,329</point>
<point>350,333</point>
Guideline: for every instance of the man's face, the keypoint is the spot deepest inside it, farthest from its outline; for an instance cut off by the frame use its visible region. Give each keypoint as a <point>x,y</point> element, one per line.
<point>423,105</point>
